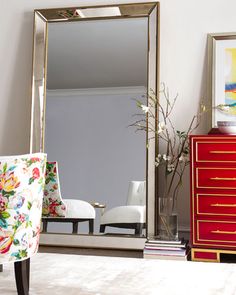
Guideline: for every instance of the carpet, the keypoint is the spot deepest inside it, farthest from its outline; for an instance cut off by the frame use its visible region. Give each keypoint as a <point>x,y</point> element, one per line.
<point>62,274</point>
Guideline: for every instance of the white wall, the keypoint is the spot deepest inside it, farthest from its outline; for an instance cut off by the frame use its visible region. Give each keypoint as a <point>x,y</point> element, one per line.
<point>184,27</point>
<point>102,153</point>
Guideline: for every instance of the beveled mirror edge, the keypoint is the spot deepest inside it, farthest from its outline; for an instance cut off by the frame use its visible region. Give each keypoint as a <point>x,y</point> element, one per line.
<point>51,14</point>
<point>151,205</point>
<point>36,68</point>
<point>157,113</point>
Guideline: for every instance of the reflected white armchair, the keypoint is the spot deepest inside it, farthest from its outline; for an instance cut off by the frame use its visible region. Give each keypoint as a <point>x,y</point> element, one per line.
<point>131,216</point>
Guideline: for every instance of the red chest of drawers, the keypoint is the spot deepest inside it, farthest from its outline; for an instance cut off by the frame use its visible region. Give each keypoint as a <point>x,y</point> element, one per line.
<point>213,196</point>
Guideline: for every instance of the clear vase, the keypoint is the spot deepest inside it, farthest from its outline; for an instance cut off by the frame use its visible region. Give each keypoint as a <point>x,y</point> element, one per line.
<point>167,219</point>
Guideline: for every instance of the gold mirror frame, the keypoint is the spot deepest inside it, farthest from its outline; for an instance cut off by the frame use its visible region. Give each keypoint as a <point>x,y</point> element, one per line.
<point>42,18</point>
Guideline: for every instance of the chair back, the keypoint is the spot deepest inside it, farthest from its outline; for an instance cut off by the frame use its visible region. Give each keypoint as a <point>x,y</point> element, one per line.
<point>136,193</point>
<point>21,194</point>
<point>53,205</point>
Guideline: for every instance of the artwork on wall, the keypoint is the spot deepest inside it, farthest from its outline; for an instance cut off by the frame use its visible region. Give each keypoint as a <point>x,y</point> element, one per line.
<point>222,62</point>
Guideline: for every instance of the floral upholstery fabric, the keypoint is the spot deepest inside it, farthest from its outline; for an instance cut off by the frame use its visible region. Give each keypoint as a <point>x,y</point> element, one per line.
<point>21,193</point>
<point>53,205</point>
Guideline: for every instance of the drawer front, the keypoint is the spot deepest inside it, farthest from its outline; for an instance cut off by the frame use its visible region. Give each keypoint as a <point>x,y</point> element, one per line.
<point>221,151</point>
<point>216,231</point>
<point>212,204</point>
<point>216,178</point>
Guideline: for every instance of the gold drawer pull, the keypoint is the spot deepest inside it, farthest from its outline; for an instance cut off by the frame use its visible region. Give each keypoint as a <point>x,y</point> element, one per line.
<point>222,152</point>
<point>223,232</point>
<point>223,178</point>
<point>223,205</point>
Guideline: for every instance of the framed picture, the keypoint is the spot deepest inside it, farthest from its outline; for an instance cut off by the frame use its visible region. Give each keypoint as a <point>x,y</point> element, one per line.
<point>222,76</point>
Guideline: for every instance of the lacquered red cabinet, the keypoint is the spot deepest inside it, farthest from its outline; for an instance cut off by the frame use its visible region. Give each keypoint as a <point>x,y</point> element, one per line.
<point>213,196</point>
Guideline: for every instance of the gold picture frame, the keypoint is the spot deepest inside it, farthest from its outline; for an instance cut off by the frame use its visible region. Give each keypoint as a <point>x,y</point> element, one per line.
<point>221,72</point>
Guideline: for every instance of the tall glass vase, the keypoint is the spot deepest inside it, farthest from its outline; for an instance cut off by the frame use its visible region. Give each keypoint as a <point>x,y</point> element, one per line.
<point>167,219</point>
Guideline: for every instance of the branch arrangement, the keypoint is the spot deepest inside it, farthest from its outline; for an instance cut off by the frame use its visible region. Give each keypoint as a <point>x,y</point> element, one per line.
<point>175,143</point>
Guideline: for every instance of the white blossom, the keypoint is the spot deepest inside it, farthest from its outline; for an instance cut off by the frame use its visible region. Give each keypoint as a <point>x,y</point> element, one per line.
<point>184,158</point>
<point>161,127</point>
<point>145,108</point>
<point>170,167</point>
<point>157,162</point>
<point>181,158</point>
<point>166,158</point>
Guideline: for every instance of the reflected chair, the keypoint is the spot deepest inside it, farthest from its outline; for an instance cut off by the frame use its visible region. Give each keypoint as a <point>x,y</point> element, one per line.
<point>131,216</point>
<point>21,194</point>
<point>56,209</point>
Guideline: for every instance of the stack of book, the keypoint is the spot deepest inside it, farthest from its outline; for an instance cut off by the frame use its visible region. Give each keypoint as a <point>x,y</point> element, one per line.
<point>159,249</point>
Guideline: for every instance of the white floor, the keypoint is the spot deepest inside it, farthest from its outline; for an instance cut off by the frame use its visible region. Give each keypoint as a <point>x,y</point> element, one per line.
<point>95,275</point>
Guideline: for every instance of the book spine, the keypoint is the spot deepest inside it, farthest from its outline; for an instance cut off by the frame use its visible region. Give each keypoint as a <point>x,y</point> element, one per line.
<point>182,241</point>
<point>170,253</point>
<point>164,248</point>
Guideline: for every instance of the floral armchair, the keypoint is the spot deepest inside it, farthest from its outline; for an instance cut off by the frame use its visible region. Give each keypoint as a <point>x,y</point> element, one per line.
<point>56,209</point>
<point>21,194</point>
<point>53,206</point>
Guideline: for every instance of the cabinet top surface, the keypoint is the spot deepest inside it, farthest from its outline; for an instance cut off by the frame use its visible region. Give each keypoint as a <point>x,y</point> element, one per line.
<point>219,135</point>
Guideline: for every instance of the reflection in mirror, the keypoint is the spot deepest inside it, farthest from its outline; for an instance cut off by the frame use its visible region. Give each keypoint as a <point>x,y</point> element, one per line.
<point>95,70</point>
<point>89,66</point>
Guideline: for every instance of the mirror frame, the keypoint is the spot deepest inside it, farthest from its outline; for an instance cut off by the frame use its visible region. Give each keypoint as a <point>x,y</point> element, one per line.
<point>42,17</point>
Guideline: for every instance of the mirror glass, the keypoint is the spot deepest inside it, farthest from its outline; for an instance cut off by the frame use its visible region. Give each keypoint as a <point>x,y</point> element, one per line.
<point>90,66</point>
<point>95,71</point>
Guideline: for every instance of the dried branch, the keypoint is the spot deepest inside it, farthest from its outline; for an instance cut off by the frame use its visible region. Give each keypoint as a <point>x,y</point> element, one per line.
<point>176,143</point>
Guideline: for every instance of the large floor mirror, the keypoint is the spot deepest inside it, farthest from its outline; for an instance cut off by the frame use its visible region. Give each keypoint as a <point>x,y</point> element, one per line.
<point>90,65</point>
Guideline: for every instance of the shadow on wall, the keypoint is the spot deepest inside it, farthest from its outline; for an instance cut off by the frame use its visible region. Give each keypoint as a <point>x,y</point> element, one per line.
<point>16,129</point>
<point>205,123</point>
<point>204,127</point>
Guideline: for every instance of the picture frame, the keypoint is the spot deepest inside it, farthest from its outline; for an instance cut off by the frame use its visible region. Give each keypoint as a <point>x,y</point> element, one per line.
<point>222,77</point>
